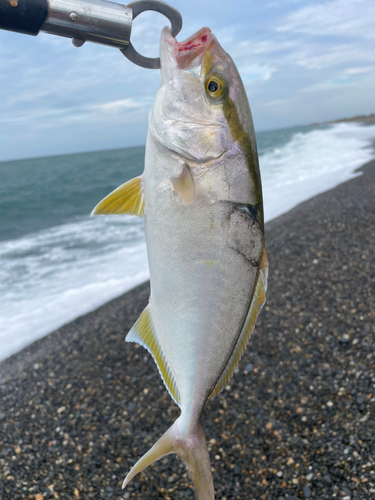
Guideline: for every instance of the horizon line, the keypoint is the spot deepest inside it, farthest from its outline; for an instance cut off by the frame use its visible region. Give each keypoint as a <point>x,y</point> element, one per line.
<point>354,118</point>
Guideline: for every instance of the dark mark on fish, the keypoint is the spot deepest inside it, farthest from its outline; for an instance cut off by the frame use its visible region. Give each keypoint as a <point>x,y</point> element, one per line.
<point>244,226</point>
<point>252,210</point>
<point>252,262</point>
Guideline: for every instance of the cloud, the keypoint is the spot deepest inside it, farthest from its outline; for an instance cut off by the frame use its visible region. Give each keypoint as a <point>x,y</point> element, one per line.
<point>121,105</point>
<point>354,18</point>
<point>360,70</point>
<point>334,84</point>
<point>256,72</point>
<point>54,117</point>
<point>54,95</point>
<point>251,48</point>
<point>317,56</point>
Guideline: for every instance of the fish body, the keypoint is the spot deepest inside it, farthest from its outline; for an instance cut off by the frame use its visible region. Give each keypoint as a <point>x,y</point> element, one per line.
<point>201,197</point>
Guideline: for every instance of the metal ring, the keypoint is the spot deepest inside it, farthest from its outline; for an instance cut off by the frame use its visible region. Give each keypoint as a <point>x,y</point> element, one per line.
<point>174,16</point>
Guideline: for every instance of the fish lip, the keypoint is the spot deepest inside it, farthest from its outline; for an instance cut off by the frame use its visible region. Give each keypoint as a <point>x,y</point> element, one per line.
<point>186,54</point>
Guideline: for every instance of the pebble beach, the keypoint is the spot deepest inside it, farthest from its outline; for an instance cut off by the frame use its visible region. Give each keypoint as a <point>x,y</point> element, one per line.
<point>79,407</point>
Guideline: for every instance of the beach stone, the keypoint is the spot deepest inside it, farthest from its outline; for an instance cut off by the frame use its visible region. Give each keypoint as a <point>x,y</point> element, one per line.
<point>307,491</point>
<point>297,363</point>
<point>344,340</point>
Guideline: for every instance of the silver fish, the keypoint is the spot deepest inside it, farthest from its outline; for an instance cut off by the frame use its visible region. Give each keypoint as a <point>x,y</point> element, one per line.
<point>201,197</point>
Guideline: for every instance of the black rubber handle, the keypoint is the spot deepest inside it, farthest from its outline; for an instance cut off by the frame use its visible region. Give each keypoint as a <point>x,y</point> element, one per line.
<point>23,16</point>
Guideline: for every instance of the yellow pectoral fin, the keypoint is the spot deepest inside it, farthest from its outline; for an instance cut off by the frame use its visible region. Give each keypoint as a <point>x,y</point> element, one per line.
<point>126,199</point>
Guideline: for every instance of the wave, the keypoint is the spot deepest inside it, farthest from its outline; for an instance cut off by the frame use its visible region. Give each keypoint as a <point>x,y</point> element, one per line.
<point>51,277</point>
<point>55,275</point>
<point>313,162</point>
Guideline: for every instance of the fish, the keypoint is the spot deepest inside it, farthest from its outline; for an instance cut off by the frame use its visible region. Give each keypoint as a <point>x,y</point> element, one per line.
<point>201,198</point>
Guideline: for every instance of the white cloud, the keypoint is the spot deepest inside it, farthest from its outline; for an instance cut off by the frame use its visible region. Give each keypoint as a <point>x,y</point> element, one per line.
<point>334,84</point>
<point>57,116</point>
<point>257,47</point>
<point>120,105</point>
<point>253,72</point>
<point>341,18</point>
<point>360,70</point>
<point>316,56</point>
<point>274,103</point>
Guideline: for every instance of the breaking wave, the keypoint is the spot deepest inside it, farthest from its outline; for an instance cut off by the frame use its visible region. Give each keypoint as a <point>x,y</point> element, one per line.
<point>52,276</point>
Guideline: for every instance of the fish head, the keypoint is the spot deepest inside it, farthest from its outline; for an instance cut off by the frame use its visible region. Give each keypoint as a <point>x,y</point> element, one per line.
<point>191,111</point>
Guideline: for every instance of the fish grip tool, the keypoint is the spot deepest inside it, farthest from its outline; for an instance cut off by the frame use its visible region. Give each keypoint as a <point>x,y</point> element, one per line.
<point>98,21</point>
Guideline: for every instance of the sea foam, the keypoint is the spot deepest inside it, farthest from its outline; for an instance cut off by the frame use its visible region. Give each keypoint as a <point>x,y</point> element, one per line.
<point>51,277</point>
<point>311,163</point>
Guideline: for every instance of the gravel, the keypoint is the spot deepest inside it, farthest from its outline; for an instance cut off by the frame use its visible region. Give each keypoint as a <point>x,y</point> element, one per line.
<point>79,407</point>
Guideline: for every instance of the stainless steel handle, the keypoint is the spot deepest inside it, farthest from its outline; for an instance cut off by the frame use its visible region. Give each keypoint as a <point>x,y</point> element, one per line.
<point>97,21</point>
<point>107,23</point>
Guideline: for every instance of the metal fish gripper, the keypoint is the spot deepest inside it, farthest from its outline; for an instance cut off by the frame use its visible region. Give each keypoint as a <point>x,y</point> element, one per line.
<point>97,21</point>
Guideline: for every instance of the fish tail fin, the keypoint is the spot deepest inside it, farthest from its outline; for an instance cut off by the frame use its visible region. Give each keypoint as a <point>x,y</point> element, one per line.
<point>192,448</point>
<point>193,451</point>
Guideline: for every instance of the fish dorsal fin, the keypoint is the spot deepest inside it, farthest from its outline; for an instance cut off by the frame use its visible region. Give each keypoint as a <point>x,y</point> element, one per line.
<point>144,333</point>
<point>257,302</point>
<point>126,199</point>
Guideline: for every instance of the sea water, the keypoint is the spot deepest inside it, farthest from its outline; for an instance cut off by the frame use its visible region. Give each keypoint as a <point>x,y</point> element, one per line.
<point>57,263</point>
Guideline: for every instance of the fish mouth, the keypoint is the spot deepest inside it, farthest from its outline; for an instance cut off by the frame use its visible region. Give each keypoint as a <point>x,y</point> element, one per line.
<point>188,50</point>
<point>186,53</point>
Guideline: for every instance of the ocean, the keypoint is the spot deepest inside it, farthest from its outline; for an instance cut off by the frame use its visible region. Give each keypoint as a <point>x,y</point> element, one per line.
<point>57,263</point>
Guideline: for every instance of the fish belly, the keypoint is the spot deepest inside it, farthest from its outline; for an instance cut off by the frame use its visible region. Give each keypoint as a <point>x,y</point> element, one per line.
<point>203,259</point>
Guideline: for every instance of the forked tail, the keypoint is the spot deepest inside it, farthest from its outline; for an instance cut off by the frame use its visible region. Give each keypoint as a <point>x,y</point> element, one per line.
<point>191,448</point>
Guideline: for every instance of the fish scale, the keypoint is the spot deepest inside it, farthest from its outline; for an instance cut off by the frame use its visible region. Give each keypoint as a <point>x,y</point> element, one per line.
<point>201,197</point>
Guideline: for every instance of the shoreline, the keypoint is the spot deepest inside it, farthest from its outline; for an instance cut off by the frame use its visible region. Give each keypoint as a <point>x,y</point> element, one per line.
<point>79,406</point>
<point>367,119</point>
<point>66,310</point>
<point>58,298</point>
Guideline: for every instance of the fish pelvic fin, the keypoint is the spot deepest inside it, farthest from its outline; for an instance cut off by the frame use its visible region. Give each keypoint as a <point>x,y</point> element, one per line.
<point>126,199</point>
<point>191,448</point>
<point>144,333</point>
<point>256,304</point>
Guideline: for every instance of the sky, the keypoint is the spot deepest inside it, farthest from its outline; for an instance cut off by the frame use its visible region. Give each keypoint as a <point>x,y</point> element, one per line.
<point>301,62</point>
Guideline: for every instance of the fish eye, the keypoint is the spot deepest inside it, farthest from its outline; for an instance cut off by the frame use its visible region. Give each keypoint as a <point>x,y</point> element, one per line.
<point>215,86</point>
<point>212,86</point>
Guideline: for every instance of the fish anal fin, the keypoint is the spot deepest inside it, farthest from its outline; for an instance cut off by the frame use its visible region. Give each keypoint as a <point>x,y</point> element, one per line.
<point>257,302</point>
<point>126,199</point>
<point>144,333</point>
